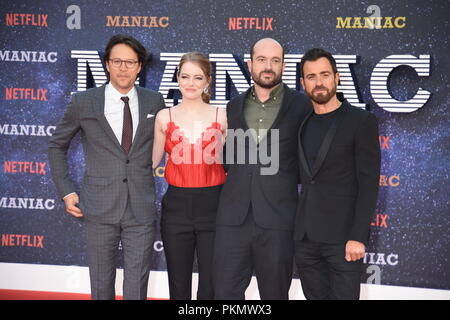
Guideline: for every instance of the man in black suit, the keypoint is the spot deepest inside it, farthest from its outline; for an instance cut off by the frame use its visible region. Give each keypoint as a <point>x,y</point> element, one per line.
<point>339,158</point>
<point>257,204</point>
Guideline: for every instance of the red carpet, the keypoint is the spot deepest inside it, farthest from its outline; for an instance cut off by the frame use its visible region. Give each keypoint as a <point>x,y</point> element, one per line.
<point>46,295</point>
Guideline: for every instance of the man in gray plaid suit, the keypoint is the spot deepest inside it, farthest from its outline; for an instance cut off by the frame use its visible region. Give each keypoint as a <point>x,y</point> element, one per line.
<point>117,196</point>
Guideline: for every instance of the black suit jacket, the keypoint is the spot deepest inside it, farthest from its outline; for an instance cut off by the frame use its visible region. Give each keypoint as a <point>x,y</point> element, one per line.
<point>273,197</point>
<point>339,193</point>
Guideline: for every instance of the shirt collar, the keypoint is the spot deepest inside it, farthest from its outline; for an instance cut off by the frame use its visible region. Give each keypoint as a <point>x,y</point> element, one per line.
<point>116,95</point>
<point>277,92</point>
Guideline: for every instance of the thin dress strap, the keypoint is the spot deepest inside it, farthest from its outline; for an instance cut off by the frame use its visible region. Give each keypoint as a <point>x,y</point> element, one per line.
<point>170,114</point>
<point>217,110</point>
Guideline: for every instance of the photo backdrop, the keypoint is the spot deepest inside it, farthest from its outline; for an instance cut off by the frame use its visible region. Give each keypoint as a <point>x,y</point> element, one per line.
<point>393,58</point>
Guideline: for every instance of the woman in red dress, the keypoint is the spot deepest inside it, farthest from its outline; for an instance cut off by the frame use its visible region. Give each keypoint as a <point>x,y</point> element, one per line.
<point>192,135</point>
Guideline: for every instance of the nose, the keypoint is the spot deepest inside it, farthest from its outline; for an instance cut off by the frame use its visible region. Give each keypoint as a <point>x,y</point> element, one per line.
<point>123,67</point>
<point>319,81</point>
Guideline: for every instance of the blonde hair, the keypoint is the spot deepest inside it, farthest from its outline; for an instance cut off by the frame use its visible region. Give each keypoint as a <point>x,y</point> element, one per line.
<point>203,62</point>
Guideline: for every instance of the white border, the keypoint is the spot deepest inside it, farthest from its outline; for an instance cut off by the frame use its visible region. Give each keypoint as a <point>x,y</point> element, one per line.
<point>75,279</point>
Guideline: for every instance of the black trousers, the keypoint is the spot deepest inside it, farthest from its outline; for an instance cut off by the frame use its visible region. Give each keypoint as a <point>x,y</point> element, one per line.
<point>324,272</point>
<point>247,248</point>
<point>188,226</point>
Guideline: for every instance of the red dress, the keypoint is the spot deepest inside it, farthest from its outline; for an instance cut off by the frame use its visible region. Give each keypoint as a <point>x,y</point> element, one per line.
<point>194,165</point>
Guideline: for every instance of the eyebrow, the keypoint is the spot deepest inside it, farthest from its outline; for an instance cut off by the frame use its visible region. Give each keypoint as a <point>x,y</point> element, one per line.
<point>123,59</point>
<point>195,75</point>
<point>321,72</point>
<point>257,57</point>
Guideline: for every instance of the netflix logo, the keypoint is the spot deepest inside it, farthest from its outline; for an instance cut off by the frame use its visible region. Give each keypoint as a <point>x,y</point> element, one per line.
<point>384,142</point>
<point>27,19</point>
<point>38,168</point>
<point>250,23</point>
<point>22,240</point>
<point>25,94</point>
<point>380,221</point>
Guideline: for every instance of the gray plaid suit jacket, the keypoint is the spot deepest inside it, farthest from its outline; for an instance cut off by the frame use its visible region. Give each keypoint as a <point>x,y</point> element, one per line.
<point>111,177</point>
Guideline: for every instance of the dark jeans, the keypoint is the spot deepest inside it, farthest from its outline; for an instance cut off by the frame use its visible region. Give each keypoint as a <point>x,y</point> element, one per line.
<point>247,248</point>
<point>324,272</point>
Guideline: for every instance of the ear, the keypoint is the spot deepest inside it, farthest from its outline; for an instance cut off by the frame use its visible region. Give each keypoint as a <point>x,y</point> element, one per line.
<point>337,78</point>
<point>302,83</point>
<point>282,67</point>
<point>140,67</point>
<point>249,65</point>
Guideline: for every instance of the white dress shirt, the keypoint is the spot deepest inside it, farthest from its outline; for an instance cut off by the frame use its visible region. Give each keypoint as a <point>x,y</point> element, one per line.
<point>114,109</point>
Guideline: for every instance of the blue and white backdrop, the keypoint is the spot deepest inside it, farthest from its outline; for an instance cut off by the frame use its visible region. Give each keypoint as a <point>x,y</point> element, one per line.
<point>393,58</point>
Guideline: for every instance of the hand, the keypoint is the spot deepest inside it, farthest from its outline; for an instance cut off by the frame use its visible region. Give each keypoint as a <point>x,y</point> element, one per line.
<point>354,250</point>
<point>71,201</point>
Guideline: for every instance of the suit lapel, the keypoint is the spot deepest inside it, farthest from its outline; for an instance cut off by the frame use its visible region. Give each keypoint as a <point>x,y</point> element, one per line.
<point>326,143</point>
<point>283,110</point>
<point>301,151</point>
<point>142,117</point>
<point>240,118</point>
<point>284,106</point>
<point>99,109</point>
<point>240,110</point>
<point>287,97</point>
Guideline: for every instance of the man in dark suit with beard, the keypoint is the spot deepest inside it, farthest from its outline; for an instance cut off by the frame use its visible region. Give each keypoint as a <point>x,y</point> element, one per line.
<point>257,204</point>
<point>339,161</point>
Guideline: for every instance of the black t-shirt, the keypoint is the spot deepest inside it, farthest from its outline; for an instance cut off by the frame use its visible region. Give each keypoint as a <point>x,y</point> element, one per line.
<point>314,132</point>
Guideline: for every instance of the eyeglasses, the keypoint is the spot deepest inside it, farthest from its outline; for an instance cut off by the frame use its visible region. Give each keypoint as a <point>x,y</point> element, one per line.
<point>117,63</point>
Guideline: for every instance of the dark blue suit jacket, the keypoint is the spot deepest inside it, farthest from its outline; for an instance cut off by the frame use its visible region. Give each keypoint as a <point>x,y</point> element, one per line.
<point>273,197</point>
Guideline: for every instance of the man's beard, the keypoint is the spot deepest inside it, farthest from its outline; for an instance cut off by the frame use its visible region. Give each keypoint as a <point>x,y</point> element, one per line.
<point>322,98</point>
<point>267,85</point>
